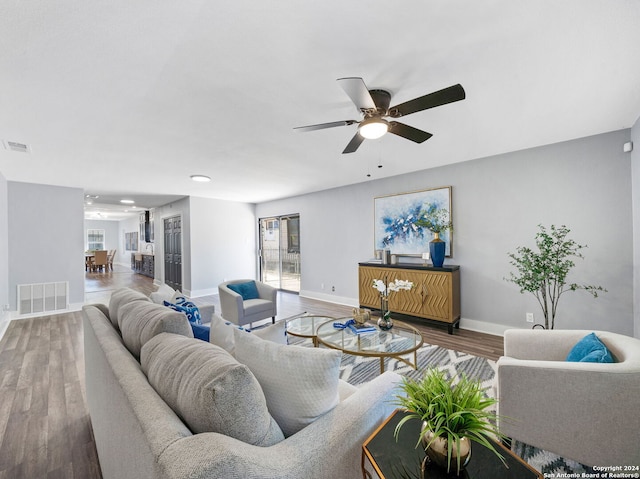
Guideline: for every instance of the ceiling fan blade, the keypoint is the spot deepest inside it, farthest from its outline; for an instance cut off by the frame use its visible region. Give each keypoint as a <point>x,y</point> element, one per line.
<point>408,132</point>
<point>355,88</point>
<point>322,126</point>
<point>355,142</point>
<point>441,97</point>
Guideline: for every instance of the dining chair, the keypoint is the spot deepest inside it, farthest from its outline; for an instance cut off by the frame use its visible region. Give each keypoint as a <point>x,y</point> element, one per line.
<point>110,256</point>
<point>100,260</point>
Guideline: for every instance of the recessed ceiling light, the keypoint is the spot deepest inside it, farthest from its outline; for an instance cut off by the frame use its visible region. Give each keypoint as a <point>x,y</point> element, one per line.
<point>200,178</point>
<point>127,202</point>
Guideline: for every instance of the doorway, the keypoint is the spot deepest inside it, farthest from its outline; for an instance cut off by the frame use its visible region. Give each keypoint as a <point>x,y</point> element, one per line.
<point>173,252</point>
<point>280,252</point>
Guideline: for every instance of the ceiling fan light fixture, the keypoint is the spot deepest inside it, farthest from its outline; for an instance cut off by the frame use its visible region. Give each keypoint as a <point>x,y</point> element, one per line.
<point>373,128</point>
<point>200,178</point>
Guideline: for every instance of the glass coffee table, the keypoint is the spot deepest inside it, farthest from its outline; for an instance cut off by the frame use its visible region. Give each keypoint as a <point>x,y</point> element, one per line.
<point>306,326</point>
<point>399,341</point>
<point>385,458</point>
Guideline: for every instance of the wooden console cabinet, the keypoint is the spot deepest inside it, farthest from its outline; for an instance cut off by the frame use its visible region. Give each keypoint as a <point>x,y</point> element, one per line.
<point>435,294</point>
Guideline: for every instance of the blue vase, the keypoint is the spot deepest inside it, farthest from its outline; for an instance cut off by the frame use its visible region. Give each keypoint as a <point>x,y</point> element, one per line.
<point>436,250</point>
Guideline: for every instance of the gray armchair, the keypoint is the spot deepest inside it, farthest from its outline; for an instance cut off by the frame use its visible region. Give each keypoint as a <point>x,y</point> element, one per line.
<point>242,312</point>
<point>587,412</point>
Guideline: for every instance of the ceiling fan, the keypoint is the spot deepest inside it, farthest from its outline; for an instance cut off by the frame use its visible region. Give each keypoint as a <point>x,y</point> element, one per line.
<point>374,106</point>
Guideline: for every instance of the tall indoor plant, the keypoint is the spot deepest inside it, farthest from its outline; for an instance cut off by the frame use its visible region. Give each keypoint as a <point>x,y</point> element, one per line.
<point>453,414</point>
<point>543,273</point>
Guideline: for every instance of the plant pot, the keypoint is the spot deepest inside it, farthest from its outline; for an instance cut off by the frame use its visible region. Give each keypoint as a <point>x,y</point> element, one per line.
<point>436,250</point>
<point>437,452</point>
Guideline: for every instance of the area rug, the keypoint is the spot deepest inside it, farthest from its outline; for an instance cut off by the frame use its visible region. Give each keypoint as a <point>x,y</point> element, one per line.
<point>357,370</point>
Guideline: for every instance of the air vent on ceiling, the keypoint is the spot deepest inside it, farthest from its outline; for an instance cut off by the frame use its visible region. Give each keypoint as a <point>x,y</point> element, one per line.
<point>15,146</point>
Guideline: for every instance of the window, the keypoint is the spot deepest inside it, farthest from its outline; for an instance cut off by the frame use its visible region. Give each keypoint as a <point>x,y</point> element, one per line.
<point>95,240</point>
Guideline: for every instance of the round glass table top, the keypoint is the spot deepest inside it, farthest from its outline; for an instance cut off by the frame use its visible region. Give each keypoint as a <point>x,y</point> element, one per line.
<point>306,326</point>
<point>399,340</point>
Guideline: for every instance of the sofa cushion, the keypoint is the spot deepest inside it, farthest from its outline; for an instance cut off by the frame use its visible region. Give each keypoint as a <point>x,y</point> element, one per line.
<point>256,306</point>
<point>118,298</point>
<point>221,333</point>
<point>299,383</point>
<point>164,293</point>
<point>140,321</point>
<point>590,350</point>
<point>219,395</point>
<point>247,290</point>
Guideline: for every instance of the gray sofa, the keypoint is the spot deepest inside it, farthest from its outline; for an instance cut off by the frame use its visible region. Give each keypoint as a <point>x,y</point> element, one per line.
<point>138,435</point>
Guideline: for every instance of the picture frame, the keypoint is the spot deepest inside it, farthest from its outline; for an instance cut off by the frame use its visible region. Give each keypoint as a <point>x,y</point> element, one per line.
<point>395,216</point>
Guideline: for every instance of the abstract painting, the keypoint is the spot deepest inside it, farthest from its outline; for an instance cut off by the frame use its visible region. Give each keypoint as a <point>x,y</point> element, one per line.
<point>395,216</point>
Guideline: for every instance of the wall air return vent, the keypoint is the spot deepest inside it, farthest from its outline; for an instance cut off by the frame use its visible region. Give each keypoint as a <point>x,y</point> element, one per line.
<point>43,297</point>
<point>15,146</point>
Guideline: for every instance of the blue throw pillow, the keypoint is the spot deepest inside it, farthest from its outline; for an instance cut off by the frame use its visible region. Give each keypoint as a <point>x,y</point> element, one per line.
<point>590,350</point>
<point>186,307</point>
<point>200,331</point>
<point>246,290</point>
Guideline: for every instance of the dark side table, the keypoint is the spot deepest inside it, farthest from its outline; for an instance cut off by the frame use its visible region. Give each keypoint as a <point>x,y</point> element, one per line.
<point>385,458</point>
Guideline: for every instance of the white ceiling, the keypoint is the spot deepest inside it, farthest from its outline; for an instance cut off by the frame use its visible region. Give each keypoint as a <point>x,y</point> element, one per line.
<point>123,98</point>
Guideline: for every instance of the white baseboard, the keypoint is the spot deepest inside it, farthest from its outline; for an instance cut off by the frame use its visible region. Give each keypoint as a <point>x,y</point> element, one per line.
<point>330,298</point>
<point>483,326</point>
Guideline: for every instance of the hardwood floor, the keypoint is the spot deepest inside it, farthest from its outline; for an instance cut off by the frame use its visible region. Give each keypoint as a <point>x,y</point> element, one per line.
<point>45,428</point>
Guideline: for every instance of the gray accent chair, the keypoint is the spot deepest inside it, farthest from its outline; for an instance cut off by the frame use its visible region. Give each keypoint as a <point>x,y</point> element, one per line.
<point>587,412</point>
<point>241,312</point>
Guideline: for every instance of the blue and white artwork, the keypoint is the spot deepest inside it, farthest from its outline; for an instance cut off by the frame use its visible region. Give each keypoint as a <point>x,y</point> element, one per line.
<point>395,218</point>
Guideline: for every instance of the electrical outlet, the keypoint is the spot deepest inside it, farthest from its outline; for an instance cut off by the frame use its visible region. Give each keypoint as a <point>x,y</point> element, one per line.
<point>529,317</point>
<point>333,289</point>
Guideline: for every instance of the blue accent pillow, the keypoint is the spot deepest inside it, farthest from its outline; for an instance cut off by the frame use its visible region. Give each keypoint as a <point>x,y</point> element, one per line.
<point>246,290</point>
<point>186,307</point>
<point>200,331</point>
<point>590,350</point>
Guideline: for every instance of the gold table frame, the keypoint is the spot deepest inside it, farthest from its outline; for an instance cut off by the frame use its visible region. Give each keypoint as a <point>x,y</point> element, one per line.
<point>359,351</point>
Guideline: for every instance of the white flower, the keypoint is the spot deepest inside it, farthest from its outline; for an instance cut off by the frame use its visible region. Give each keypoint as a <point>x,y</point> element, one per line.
<point>400,284</point>
<point>379,285</point>
<point>396,285</point>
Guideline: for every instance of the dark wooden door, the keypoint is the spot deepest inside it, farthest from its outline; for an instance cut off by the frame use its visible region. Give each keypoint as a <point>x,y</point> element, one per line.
<point>173,252</point>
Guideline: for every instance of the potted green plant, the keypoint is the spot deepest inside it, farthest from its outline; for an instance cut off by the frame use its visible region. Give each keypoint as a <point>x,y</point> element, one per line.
<point>453,413</point>
<point>543,273</point>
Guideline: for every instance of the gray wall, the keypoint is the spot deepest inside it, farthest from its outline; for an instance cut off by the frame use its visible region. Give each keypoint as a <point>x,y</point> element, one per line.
<point>223,243</point>
<point>45,238</point>
<point>131,225</point>
<point>111,231</point>
<point>218,242</point>
<point>635,170</point>
<point>497,204</point>
<point>4,252</point>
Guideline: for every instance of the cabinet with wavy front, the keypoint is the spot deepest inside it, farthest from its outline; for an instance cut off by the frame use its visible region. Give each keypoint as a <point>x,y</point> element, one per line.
<point>435,294</point>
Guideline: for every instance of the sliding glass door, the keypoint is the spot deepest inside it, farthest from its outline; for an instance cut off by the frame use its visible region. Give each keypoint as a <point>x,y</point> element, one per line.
<point>280,252</point>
